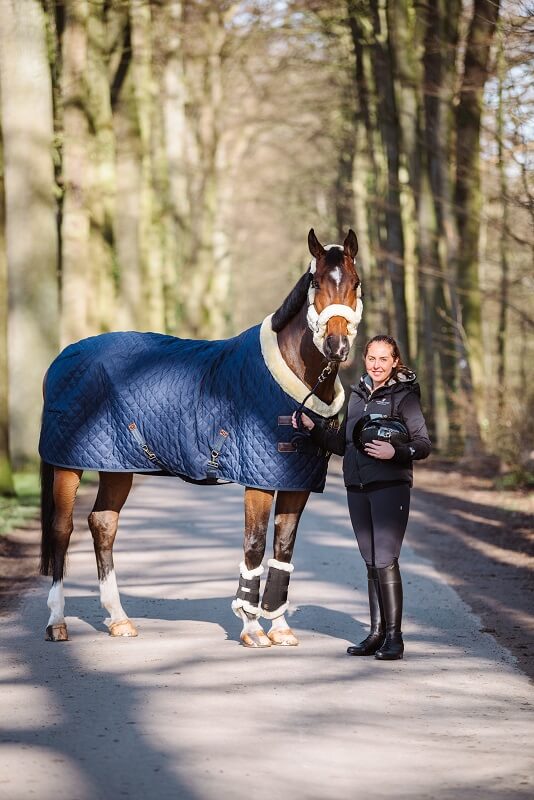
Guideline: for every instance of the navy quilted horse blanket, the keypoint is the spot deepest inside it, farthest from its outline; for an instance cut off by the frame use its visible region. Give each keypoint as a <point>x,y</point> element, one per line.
<point>206,411</point>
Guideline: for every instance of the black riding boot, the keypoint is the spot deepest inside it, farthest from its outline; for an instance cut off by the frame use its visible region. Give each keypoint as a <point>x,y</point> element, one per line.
<point>390,586</point>
<point>376,637</point>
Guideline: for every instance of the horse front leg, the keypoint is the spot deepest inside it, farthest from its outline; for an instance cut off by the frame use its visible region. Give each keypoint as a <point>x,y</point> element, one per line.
<point>288,509</point>
<point>103,521</point>
<point>246,605</point>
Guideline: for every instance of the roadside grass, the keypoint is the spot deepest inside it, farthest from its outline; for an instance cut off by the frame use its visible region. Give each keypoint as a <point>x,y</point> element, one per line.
<point>16,511</point>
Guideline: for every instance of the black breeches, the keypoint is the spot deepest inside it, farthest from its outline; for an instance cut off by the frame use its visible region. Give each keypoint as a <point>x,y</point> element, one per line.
<point>379,518</point>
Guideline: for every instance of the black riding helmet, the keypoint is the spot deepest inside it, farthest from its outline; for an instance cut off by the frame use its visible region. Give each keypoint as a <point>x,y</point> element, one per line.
<point>381,427</point>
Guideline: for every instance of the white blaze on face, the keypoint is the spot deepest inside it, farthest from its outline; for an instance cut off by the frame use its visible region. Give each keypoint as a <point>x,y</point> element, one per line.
<point>317,322</point>
<point>335,274</point>
<point>56,604</point>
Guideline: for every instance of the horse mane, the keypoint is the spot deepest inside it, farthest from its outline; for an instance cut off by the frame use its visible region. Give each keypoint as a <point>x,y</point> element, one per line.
<point>292,304</point>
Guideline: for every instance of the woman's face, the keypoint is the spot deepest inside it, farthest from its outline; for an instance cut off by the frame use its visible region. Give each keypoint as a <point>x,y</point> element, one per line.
<point>379,362</point>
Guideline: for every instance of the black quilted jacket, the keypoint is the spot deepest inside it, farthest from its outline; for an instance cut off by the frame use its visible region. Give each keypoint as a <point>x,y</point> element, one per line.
<point>401,398</point>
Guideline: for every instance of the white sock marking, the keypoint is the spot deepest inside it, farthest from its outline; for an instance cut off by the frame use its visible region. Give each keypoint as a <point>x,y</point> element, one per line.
<point>110,599</point>
<point>250,624</point>
<point>56,604</point>
<point>279,623</point>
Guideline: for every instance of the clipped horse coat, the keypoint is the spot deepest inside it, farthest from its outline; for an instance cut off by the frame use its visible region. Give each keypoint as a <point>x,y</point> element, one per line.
<point>201,410</point>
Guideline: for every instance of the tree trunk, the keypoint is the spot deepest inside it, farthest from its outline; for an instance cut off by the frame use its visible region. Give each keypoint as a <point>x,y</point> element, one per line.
<point>7,487</point>
<point>206,126</point>
<point>404,36</point>
<point>175,133</point>
<point>439,279</point>
<point>31,232</point>
<point>368,211</point>
<point>131,308</point>
<point>469,201</point>
<point>103,280</point>
<point>75,223</point>
<point>503,239</point>
<point>150,240</point>
<point>388,120</point>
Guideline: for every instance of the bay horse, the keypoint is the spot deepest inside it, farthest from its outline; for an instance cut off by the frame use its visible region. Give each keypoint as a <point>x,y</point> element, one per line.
<point>311,332</point>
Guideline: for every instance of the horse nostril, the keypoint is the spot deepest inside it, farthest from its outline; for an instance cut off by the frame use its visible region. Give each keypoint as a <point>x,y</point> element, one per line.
<point>337,347</point>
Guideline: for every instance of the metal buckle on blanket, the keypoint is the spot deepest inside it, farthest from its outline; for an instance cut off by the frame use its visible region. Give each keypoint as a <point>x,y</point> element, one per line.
<point>213,462</point>
<point>141,442</point>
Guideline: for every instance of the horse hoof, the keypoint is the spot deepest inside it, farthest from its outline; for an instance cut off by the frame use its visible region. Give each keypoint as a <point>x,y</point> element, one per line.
<point>283,637</point>
<point>255,639</point>
<point>123,627</point>
<point>57,633</point>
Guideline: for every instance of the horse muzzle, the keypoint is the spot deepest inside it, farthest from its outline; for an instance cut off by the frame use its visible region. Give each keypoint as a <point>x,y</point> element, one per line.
<point>336,347</point>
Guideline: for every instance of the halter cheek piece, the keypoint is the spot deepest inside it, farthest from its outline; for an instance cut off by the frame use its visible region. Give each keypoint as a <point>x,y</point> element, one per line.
<point>317,322</point>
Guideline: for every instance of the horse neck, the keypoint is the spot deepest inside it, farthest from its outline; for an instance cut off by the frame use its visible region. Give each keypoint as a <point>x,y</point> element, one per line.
<point>296,345</point>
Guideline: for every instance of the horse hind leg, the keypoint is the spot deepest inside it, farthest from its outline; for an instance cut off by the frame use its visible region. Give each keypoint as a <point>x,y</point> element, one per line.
<point>288,509</point>
<point>58,493</point>
<point>103,523</point>
<point>258,503</point>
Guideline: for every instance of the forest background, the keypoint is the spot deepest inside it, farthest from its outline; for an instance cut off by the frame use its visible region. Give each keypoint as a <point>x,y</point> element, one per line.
<point>161,163</point>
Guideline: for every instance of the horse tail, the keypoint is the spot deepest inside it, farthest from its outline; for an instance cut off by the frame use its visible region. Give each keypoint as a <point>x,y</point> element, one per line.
<point>47,518</point>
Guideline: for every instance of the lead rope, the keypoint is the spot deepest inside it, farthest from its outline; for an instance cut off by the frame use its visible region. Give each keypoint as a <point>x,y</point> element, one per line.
<point>321,379</point>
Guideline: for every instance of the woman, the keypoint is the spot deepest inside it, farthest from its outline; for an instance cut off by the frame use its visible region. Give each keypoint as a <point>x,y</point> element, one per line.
<point>378,477</point>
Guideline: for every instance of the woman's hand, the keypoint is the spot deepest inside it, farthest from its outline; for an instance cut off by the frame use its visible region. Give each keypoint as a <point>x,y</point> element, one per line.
<point>308,423</point>
<point>381,450</point>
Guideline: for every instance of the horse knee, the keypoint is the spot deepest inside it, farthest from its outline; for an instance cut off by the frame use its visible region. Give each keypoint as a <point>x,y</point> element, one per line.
<point>103,526</point>
<point>254,550</point>
<point>284,544</point>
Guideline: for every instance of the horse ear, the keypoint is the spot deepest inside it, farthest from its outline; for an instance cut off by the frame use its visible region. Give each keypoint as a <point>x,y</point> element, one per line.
<point>350,245</point>
<point>316,248</point>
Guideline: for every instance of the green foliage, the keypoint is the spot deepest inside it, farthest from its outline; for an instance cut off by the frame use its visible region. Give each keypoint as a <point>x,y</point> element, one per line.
<point>15,511</point>
<point>518,479</point>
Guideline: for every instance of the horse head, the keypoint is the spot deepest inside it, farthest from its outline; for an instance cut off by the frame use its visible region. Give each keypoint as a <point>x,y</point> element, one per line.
<point>334,296</point>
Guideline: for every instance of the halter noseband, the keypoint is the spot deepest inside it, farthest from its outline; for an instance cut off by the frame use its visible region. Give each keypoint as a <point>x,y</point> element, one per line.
<point>317,322</point>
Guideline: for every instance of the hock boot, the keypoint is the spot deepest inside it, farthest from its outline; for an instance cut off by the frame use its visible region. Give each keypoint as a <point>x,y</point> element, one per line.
<point>376,637</point>
<point>390,587</point>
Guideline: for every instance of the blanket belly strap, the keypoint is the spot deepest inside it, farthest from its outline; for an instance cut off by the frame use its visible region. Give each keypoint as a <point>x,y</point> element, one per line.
<point>213,463</point>
<point>134,430</point>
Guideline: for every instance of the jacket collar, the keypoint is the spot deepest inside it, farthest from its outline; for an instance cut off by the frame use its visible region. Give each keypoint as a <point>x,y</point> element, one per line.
<point>404,378</point>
